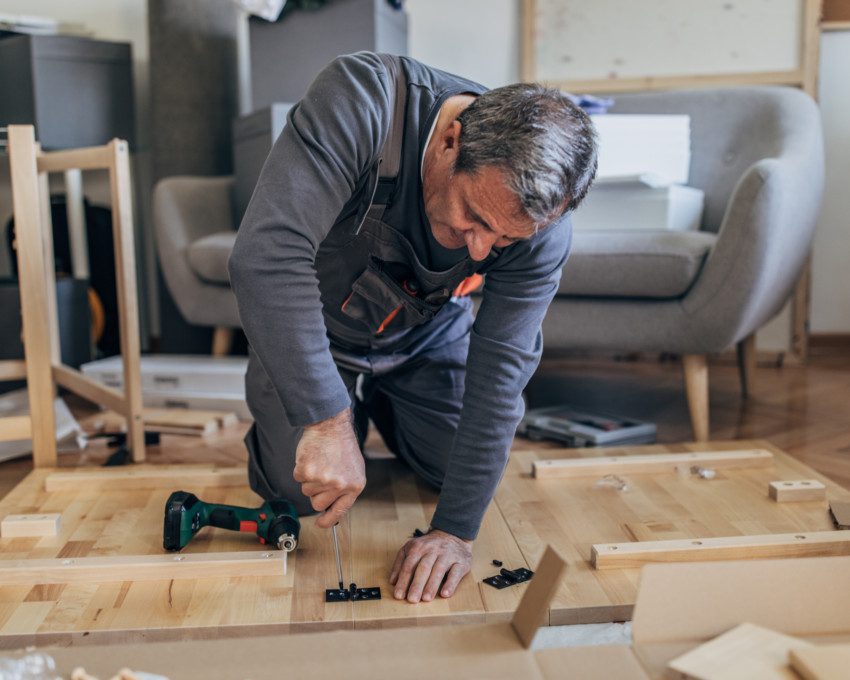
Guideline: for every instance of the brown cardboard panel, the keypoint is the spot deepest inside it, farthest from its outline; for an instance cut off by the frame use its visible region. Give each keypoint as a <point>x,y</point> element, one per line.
<point>696,602</point>
<point>745,652</point>
<point>533,611</point>
<point>602,662</point>
<point>481,651</point>
<point>827,662</point>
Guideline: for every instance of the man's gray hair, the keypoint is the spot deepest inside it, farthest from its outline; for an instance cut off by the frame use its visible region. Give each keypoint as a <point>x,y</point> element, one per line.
<point>540,138</point>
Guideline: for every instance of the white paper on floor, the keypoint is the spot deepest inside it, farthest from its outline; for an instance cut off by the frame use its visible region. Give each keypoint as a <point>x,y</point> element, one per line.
<point>583,634</point>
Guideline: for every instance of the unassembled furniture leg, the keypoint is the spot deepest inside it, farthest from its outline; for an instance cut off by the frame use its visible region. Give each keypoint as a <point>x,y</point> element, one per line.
<point>747,363</point>
<point>696,387</point>
<point>222,341</point>
<point>35,303</point>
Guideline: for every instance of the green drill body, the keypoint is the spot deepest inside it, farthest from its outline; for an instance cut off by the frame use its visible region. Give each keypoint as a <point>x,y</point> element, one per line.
<point>275,522</point>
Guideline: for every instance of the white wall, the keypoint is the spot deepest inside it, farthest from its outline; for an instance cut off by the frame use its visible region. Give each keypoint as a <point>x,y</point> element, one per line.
<point>830,271</point>
<point>479,39</point>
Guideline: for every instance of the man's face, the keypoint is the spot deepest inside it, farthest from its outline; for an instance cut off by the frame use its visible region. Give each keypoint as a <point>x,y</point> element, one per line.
<point>476,211</point>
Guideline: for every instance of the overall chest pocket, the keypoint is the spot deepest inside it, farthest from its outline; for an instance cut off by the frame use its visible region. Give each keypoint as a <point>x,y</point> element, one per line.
<point>380,302</point>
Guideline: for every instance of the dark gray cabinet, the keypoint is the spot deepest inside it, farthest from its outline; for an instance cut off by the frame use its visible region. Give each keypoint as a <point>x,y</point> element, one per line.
<point>76,91</point>
<point>287,55</point>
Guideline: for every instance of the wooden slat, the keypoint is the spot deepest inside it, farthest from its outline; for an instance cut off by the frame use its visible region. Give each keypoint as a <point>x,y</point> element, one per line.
<point>160,477</point>
<point>128,302</point>
<point>89,158</point>
<point>141,567</point>
<point>89,388</point>
<point>647,83</point>
<point>13,369</point>
<point>804,544</point>
<point>15,428</point>
<point>649,463</point>
<point>50,273</point>
<point>33,273</point>
<point>823,662</point>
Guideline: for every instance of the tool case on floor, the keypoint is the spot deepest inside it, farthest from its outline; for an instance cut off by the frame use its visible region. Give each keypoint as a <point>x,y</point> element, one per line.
<point>579,429</point>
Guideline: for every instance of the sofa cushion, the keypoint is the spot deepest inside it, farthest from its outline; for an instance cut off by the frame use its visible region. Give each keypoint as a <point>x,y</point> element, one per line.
<point>634,264</point>
<point>208,256</point>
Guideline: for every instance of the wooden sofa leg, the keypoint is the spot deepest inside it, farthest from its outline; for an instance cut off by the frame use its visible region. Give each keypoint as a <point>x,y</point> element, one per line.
<point>222,341</point>
<point>747,364</point>
<point>696,388</point>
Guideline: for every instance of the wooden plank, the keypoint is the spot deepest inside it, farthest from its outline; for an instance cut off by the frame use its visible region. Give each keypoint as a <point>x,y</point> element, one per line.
<point>49,282</point>
<point>796,490</point>
<point>649,463</point>
<point>33,272</point>
<point>19,526</point>
<point>747,651</point>
<point>572,514</point>
<point>15,428</point>
<point>823,662</point>
<point>174,420</point>
<point>169,477</point>
<point>533,610</point>
<point>803,544</point>
<point>128,302</point>
<point>141,567</point>
<point>90,158</point>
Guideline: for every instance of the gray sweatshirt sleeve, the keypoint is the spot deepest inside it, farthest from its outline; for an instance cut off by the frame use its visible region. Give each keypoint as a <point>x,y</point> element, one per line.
<point>331,139</point>
<point>505,348</point>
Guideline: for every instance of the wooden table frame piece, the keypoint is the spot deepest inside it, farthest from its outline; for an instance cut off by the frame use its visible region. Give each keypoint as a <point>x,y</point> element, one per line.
<point>768,546</point>
<point>648,463</point>
<point>43,367</point>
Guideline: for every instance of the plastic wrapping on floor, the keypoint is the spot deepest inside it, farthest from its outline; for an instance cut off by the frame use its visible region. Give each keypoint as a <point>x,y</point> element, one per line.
<point>584,634</point>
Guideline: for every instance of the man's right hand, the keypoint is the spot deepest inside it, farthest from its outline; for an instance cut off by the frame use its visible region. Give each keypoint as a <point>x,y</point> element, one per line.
<point>330,468</point>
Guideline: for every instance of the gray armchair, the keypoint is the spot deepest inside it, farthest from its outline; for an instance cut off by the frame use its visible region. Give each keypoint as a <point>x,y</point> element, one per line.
<point>195,230</point>
<point>757,153</point>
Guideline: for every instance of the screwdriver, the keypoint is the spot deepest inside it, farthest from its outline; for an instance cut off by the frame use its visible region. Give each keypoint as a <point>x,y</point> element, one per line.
<point>338,561</point>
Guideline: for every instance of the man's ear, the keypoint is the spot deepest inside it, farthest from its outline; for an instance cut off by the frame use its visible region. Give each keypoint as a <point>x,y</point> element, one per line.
<point>451,136</point>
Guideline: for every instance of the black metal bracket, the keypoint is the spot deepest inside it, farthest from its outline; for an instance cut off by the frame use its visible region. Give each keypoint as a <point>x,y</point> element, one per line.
<point>509,577</point>
<point>352,594</point>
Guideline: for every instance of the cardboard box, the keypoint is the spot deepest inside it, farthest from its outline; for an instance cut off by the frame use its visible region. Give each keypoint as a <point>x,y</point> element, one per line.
<point>634,205</point>
<point>682,606</point>
<point>176,373</point>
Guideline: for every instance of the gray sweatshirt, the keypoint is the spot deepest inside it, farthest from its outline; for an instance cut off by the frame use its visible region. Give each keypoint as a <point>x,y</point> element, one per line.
<point>313,178</point>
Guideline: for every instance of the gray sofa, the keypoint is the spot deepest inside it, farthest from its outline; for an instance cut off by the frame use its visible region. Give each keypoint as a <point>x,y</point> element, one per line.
<point>757,153</point>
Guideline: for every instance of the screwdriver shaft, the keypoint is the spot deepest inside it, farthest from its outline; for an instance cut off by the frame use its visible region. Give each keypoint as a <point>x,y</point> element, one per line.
<point>338,561</point>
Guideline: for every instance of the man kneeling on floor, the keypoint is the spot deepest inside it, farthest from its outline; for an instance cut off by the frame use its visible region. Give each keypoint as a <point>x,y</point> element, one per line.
<point>392,190</point>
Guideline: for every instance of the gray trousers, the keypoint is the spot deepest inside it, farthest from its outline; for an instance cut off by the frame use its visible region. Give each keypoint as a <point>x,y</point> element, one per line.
<point>413,397</point>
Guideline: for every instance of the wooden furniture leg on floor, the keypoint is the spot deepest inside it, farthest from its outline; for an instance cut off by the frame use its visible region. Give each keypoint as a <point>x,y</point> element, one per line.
<point>222,341</point>
<point>747,364</point>
<point>696,387</point>
<point>43,367</point>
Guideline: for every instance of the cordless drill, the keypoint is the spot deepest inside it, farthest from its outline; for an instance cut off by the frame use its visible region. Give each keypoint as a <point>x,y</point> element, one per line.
<point>275,522</point>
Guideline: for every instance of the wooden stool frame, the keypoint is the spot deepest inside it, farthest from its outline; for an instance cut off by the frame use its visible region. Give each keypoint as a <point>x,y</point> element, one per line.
<point>42,366</point>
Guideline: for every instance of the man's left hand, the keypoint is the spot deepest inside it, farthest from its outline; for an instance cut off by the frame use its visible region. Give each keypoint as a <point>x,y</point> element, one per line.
<point>423,563</point>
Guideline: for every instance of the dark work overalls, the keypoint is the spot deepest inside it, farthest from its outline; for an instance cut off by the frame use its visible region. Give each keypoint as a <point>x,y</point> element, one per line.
<point>402,326</point>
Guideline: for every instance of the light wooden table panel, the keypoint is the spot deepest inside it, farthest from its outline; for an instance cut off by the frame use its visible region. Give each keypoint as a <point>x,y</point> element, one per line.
<point>571,514</point>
